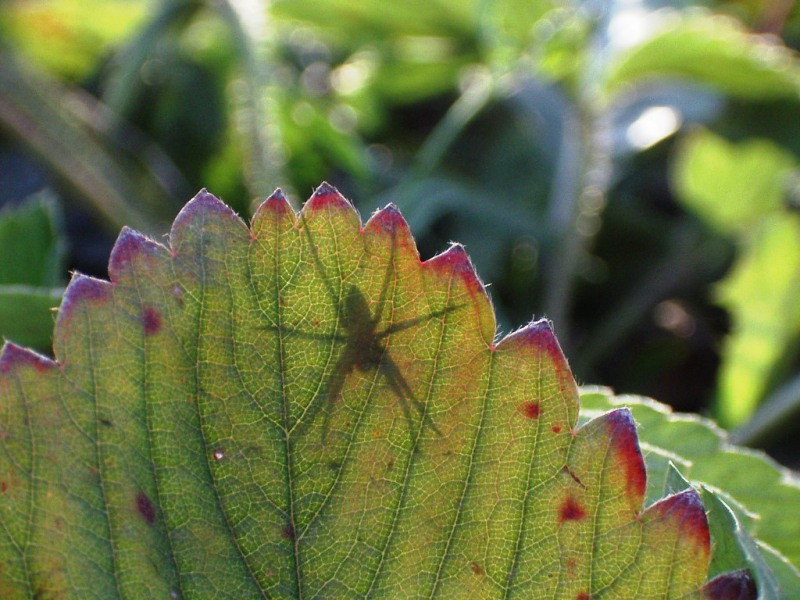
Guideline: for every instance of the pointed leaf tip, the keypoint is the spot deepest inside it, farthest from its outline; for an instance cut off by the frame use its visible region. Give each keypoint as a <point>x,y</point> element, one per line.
<point>129,245</point>
<point>737,585</point>
<point>687,509</point>
<point>12,356</point>
<point>277,202</point>
<point>455,260</point>
<point>328,196</point>
<point>388,219</point>
<point>539,334</point>
<point>622,430</point>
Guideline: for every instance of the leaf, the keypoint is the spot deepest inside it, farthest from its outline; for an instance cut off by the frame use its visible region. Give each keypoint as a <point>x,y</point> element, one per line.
<point>31,244</point>
<point>710,50</point>
<point>32,248</point>
<point>731,186</point>
<point>303,408</point>
<point>740,190</point>
<point>761,492</point>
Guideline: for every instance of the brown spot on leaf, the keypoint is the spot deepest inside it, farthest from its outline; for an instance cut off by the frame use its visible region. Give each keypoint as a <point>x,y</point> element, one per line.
<point>3,487</point>
<point>583,596</point>
<point>571,510</point>
<point>531,410</point>
<point>476,568</point>
<point>146,508</point>
<point>151,319</point>
<point>556,429</point>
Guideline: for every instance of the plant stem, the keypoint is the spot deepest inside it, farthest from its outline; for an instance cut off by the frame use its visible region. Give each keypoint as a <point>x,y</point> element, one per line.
<point>775,412</point>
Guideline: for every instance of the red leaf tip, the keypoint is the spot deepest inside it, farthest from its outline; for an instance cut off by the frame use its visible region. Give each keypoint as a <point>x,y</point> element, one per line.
<point>388,218</point>
<point>622,430</point>
<point>736,585</point>
<point>12,356</point>
<point>539,334</point>
<point>129,244</point>
<point>456,260</point>
<point>687,509</point>
<point>277,202</point>
<point>327,196</point>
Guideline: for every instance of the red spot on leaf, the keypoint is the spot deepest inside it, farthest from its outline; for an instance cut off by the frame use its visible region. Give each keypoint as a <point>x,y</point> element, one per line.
<point>3,487</point>
<point>287,532</point>
<point>556,429</point>
<point>583,596</point>
<point>736,585</point>
<point>571,510</point>
<point>531,410</point>
<point>476,568</point>
<point>151,319</point>
<point>686,509</point>
<point>13,355</point>
<point>146,508</point>
<point>622,429</point>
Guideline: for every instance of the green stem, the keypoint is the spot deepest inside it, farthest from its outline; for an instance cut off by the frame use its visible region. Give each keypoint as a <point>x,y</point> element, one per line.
<point>256,107</point>
<point>779,409</point>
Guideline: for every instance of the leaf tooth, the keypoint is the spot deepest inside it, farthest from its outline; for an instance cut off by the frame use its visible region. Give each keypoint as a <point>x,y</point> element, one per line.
<point>388,219</point>
<point>456,260</point>
<point>276,203</point>
<point>538,335</point>
<point>203,206</point>
<point>686,510</point>
<point>736,585</point>
<point>327,196</point>
<point>13,356</point>
<point>130,245</point>
<point>622,430</point>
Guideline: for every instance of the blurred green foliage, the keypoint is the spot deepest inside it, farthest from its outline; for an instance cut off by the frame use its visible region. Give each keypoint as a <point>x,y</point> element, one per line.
<point>623,167</point>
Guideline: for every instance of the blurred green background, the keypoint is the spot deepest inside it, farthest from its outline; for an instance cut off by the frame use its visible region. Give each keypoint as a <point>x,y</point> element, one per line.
<point>628,169</point>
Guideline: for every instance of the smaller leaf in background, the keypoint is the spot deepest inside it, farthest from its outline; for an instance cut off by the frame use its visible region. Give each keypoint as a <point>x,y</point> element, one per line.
<point>69,37</point>
<point>711,50</point>
<point>763,495</point>
<point>739,189</point>
<point>730,186</point>
<point>31,244</point>
<point>32,251</point>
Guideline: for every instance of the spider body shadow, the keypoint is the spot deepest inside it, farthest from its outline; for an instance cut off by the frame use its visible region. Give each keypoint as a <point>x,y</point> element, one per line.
<point>365,347</point>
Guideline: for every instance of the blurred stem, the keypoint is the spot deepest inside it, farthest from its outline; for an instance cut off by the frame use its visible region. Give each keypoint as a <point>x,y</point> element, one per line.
<point>124,79</point>
<point>36,111</point>
<point>779,409</point>
<point>578,200</point>
<point>479,90</point>
<point>255,102</point>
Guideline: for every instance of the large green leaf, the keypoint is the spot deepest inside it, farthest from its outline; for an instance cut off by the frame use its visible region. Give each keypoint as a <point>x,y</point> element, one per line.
<point>302,408</point>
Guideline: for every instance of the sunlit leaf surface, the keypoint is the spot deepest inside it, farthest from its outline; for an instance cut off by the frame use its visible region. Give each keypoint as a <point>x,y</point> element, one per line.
<point>304,409</point>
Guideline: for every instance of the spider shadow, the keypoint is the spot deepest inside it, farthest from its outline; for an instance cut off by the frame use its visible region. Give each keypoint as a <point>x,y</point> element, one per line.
<point>365,348</point>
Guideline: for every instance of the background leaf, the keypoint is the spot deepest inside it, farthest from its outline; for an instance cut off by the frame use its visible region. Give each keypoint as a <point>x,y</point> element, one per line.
<point>32,247</point>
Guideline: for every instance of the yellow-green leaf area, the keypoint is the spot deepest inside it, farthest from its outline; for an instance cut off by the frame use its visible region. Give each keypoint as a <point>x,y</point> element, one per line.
<point>303,408</point>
